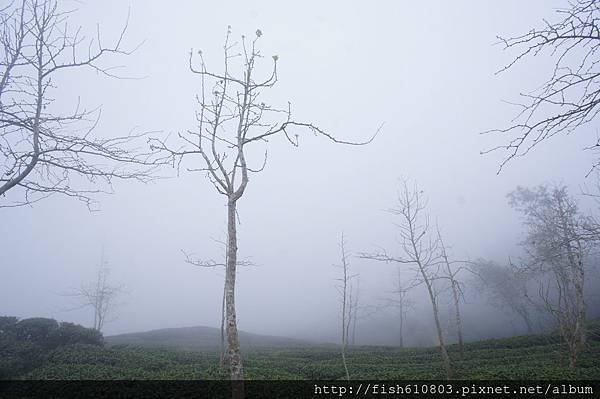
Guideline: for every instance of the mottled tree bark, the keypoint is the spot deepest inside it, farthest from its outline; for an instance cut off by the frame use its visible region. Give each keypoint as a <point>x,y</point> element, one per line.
<point>223,352</point>
<point>235,357</point>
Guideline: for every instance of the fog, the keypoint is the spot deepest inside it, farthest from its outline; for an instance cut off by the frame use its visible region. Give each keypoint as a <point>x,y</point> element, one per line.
<point>425,69</point>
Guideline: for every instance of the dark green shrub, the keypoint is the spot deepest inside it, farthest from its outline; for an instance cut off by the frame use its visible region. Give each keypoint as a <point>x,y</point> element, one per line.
<point>8,325</point>
<point>36,329</point>
<point>70,333</point>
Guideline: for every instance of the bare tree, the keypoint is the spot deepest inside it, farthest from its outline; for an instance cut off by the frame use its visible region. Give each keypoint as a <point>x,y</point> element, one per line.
<point>450,273</point>
<point>44,151</point>
<point>346,299</point>
<point>505,288</point>
<point>232,118</point>
<point>558,246</point>
<point>569,98</point>
<point>421,252</point>
<point>400,301</point>
<point>100,295</point>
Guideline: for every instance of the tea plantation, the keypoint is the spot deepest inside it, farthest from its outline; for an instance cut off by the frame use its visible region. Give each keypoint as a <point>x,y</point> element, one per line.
<point>523,357</point>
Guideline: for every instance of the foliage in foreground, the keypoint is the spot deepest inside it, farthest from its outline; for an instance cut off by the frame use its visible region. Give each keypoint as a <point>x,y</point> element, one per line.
<point>26,344</point>
<point>523,357</point>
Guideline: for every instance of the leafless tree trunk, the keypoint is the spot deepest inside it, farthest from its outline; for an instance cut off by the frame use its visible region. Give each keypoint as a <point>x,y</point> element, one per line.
<point>401,295</point>
<point>436,316</point>
<point>354,311</point>
<point>422,253</point>
<point>456,290</point>
<point>344,289</point>
<point>399,301</point>
<point>210,263</point>
<point>43,151</point>
<point>235,356</point>
<point>223,356</point>
<point>402,304</point>
<point>231,118</point>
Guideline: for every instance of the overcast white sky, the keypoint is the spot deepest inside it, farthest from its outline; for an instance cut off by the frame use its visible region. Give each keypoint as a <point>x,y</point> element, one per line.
<point>426,69</point>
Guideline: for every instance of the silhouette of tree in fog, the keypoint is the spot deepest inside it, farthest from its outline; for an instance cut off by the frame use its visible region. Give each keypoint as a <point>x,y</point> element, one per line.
<point>421,251</point>
<point>99,295</point>
<point>558,249</point>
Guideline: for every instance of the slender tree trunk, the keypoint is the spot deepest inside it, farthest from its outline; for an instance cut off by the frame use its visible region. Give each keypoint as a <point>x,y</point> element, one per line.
<point>401,294</point>
<point>401,325</point>
<point>428,284</point>
<point>344,324</point>
<point>580,300</point>
<point>233,345</point>
<point>345,321</point>
<point>455,293</point>
<point>457,316</point>
<point>355,313</point>
<point>574,257</point>
<point>438,327</point>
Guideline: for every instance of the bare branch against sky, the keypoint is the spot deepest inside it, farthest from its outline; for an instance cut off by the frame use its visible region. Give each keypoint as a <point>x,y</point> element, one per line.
<point>46,150</point>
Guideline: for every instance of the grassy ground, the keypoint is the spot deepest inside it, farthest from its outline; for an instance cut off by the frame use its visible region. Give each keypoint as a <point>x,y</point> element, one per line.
<point>524,357</point>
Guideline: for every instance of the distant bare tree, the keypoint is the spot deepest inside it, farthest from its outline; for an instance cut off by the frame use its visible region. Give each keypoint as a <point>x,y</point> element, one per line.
<point>344,290</point>
<point>356,310</point>
<point>44,151</point>
<point>558,246</point>
<point>99,295</point>
<point>232,118</point>
<point>421,252</point>
<point>353,311</point>
<point>505,288</point>
<point>569,98</point>
<point>401,302</point>
<point>450,273</point>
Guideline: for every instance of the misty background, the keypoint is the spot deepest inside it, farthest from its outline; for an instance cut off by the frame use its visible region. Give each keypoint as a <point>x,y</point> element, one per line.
<point>427,70</point>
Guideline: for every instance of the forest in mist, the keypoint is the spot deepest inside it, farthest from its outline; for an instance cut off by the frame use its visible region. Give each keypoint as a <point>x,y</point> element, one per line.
<point>332,176</point>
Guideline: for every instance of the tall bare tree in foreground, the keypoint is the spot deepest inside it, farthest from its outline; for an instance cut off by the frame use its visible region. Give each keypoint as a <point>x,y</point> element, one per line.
<point>232,117</point>
<point>421,252</point>
<point>450,273</point>
<point>344,290</point>
<point>570,97</point>
<point>557,246</point>
<point>44,150</point>
<point>99,295</point>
